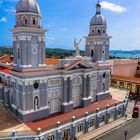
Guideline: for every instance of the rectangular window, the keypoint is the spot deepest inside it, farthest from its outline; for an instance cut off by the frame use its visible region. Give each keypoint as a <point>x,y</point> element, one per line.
<point>80,128</point>
<point>91,123</point>
<point>18,52</point>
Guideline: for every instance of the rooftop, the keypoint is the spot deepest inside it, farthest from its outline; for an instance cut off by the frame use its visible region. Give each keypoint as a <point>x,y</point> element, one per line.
<point>131,79</point>
<point>9,123</point>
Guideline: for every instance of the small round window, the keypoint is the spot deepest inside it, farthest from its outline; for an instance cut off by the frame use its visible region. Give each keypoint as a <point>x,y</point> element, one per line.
<point>36,85</point>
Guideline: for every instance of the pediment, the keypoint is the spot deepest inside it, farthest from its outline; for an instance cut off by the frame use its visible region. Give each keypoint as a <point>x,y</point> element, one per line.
<point>79,64</point>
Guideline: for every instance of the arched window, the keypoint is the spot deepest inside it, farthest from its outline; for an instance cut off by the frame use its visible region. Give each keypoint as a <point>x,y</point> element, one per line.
<point>99,31</point>
<point>33,21</point>
<point>25,20</point>
<point>36,103</point>
<point>103,31</point>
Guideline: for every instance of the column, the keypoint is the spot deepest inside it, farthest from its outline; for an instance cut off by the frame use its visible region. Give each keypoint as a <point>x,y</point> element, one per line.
<point>84,86</point>
<point>73,126</point>
<point>134,88</point>
<point>118,84</point>
<point>88,86</point>
<point>6,96</point>
<point>67,105</point>
<point>97,118</point>
<point>125,86</point>
<point>65,90</point>
<point>70,89</point>
<point>86,123</point>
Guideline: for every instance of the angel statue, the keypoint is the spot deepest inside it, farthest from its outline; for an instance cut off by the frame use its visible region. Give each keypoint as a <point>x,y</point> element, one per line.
<point>77,46</point>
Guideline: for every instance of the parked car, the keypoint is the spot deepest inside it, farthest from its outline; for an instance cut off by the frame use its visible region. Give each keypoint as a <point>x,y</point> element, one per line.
<point>135,112</point>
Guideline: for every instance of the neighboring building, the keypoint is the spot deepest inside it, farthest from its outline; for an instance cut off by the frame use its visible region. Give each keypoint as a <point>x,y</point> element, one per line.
<point>35,90</point>
<point>125,74</point>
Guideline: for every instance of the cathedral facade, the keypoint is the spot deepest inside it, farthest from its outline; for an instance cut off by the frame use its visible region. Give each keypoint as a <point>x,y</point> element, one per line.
<point>34,90</point>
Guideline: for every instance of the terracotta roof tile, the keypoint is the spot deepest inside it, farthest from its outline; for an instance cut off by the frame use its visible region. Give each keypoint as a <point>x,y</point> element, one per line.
<point>6,59</point>
<point>52,61</point>
<point>48,123</point>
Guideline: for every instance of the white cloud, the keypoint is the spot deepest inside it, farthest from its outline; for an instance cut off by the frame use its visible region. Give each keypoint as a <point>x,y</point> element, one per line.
<point>10,10</point>
<point>113,7</point>
<point>52,38</point>
<point>64,29</point>
<point>3,19</point>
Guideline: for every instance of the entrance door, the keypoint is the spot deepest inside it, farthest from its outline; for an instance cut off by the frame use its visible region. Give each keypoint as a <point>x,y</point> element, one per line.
<point>55,105</point>
<point>93,90</point>
<point>76,96</point>
<point>54,99</point>
<point>76,91</point>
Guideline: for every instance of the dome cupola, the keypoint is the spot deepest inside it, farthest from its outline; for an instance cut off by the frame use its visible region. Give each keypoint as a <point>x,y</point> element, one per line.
<point>98,19</point>
<point>27,6</point>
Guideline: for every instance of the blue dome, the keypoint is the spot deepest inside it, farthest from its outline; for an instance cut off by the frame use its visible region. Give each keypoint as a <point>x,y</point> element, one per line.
<point>27,6</point>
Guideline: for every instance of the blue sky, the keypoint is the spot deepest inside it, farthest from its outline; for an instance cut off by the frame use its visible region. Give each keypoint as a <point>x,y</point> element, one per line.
<point>69,19</point>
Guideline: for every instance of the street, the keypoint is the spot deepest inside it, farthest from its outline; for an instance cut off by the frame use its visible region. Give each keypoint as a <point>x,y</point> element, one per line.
<point>132,128</point>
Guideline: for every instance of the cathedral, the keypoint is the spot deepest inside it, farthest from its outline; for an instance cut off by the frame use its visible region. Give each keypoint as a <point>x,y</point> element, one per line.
<point>34,90</point>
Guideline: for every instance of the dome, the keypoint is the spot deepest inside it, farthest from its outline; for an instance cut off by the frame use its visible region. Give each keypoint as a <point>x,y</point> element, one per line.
<point>27,6</point>
<point>98,19</point>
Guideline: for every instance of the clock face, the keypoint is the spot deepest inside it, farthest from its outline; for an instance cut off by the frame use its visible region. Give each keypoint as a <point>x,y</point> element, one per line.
<point>34,50</point>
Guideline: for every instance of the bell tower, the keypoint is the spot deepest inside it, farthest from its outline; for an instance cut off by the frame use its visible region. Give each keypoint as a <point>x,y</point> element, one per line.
<point>28,37</point>
<point>97,42</point>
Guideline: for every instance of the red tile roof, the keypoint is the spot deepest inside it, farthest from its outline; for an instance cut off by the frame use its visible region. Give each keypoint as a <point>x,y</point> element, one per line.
<point>131,79</point>
<point>52,61</point>
<point>51,122</point>
<point>6,59</point>
<point>5,70</point>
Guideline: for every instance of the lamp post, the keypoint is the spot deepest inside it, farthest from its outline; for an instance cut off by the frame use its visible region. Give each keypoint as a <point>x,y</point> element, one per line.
<point>125,134</point>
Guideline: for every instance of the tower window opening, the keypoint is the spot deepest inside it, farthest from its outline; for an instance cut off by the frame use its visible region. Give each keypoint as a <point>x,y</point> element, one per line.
<point>25,20</point>
<point>92,53</point>
<point>104,31</point>
<point>99,31</point>
<point>18,53</point>
<point>34,21</point>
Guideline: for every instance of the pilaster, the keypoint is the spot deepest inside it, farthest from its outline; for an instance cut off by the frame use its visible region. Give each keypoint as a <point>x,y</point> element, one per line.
<point>86,100</point>
<point>67,105</point>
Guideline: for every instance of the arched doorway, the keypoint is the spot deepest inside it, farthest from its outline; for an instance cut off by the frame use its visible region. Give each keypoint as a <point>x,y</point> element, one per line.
<point>76,91</point>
